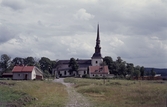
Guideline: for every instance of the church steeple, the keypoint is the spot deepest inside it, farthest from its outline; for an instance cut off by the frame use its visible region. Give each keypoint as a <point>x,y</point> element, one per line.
<point>98,37</point>
<point>97,53</point>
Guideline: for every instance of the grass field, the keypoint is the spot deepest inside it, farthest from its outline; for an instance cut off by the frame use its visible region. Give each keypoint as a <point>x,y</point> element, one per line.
<point>122,93</point>
<point>32,93</point>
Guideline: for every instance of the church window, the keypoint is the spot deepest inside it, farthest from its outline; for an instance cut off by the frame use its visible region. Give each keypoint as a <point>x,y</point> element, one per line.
<point>96,62</point>
<point>65,72</point>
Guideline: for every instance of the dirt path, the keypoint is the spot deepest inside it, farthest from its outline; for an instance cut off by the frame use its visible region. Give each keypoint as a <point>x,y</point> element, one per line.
<point>75,99</point>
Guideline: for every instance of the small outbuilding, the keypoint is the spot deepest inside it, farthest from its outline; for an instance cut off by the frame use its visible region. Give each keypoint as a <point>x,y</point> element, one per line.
<point>7,75</point>
<point>27,73</point>
<point>98,71</point>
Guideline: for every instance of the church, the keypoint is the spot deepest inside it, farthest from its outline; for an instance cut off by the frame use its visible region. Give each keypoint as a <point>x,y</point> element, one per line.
<point>86,67</point>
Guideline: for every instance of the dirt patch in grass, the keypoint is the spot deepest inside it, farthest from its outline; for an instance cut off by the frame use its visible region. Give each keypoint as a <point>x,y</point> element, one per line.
<point>6,83</point>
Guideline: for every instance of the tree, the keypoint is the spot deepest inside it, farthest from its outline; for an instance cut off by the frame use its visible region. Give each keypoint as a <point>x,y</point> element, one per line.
<point>29,61</point>
<point>73,66</point>
<point>45,63</point>
<point>37,64</point>
<point>122,68</point>
<point>142,71</point>
<point>5,62</point>
<point>119,60</point>
<point>109,62</point>
<point>18,61</point>
<point>137,73</point>
<point>153,72</point>
<point>115,68</point>
<point>130,68</point>
<point>137,67</point>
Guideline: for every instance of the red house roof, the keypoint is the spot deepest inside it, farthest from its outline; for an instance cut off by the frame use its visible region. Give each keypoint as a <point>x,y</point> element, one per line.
<point>98,70</point>
<point>23,69</point>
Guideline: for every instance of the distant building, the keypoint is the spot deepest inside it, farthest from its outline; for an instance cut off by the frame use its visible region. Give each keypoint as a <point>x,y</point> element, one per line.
<point>62,68</point>
<point>7,75</point>
<point>97,69</point>
<point>26,73</point>
<point>92,67</point>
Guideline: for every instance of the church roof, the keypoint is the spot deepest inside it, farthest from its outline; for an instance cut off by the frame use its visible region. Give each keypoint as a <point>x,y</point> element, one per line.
<point>82,63</point>
<point>79,61</point>
<point>96,55</point>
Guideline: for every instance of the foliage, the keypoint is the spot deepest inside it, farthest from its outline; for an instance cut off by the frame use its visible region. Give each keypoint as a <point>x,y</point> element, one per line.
<point>119,67</point>
<point>142,71</point>
<point>45,64</point>
<point>136,73</point>
<point>29,61</point>
<point>18,61</point>
<point>46,74</point>
<point>5,62</point>
<point>109,62</point>
<point>130,68</point>
<point>153,72</point>
<point>73,66</point>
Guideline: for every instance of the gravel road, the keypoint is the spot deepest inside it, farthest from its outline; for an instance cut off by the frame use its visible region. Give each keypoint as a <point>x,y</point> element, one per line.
<point>75,98</point>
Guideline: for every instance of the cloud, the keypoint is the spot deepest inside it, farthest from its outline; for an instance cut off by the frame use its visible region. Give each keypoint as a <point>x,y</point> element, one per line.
<point>14,4</point>
<point>83,15</point>
<point>89,1</point>
<point>134,30</point>
<point>6,34</point>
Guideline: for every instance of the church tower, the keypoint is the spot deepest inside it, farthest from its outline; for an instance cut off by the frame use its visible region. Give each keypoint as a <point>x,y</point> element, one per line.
<point>97,57</point>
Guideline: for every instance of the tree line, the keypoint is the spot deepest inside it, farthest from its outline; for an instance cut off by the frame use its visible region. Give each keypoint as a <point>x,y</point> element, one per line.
<point>118,67</point>
<point>44,63</point>
<point>122,69</point>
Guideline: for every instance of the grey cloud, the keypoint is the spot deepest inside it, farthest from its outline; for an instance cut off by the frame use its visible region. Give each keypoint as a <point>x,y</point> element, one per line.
<point>14,4</point>
<point>6,34</point>
<point>134,30</point>
<point>130,20</point>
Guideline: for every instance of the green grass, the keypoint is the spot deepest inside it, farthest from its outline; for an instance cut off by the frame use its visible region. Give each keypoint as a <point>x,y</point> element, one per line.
<point>122,93</point>
<point>42,93</point>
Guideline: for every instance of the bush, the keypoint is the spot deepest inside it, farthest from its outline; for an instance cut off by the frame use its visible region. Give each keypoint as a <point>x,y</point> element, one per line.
<point>85,76</point>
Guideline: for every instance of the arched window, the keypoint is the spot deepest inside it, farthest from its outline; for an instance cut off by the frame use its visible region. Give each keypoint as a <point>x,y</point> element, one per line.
<point>96,62</point>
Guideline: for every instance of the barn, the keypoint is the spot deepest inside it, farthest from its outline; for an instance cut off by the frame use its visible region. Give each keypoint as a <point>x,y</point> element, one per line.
<point>27,73</point>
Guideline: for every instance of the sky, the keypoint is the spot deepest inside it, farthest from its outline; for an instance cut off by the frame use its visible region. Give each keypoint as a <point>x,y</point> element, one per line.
<point>135,30</point>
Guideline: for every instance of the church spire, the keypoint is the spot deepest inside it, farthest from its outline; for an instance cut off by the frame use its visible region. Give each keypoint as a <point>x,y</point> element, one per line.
<point>97,53</point>
<point>98,37</point>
